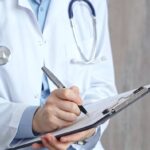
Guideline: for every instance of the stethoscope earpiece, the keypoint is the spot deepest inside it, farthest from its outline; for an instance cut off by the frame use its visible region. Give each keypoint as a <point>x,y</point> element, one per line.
<point>4,55</point>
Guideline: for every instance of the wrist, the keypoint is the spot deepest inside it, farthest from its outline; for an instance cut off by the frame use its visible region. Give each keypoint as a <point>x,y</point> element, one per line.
<point>91,133</point>
<point>36,122</point>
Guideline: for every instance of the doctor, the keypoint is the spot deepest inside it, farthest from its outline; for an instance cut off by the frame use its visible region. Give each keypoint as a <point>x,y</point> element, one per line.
<point>38,33</point>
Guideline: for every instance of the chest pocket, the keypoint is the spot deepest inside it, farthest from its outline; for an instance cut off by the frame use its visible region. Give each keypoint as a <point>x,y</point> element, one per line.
<point>83,33</point>
<point>79,52</point>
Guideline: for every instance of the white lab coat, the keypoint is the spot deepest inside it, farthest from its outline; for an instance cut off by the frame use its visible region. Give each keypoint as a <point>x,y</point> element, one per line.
<point>21,77</point>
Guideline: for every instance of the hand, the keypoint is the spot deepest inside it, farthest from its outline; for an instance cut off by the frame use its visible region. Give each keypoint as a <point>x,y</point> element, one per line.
<point>52,143</point>
<point>78,136</point>
<point>60,110</point>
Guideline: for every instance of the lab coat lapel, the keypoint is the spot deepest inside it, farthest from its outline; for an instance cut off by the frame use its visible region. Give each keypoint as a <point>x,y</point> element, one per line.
<point>57,8</point>
<point>25,4</point>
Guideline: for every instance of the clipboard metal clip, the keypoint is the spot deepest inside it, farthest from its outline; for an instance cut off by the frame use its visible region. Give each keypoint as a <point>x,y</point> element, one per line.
<point>123,102</point>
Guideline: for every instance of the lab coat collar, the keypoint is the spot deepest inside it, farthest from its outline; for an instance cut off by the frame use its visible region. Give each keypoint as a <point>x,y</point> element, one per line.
<point>25,4</point>
<point>38,1</point>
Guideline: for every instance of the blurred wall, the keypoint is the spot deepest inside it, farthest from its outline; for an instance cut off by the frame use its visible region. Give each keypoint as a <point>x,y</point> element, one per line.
<point>130,36</point>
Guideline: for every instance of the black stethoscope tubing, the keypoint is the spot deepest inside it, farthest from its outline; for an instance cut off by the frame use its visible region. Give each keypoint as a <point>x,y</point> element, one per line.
<point>70,8</point>
<point>92,57</point>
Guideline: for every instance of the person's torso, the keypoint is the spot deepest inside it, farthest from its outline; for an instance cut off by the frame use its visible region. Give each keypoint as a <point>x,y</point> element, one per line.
<point>30,49</point>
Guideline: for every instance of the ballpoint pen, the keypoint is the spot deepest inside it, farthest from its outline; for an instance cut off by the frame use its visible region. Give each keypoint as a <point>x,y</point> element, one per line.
<point>58,83</point>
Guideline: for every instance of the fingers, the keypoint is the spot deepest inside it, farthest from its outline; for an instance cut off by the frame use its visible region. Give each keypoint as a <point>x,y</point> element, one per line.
<point>66,100</point>
<point>71,94</point>
<point>75,89</point>
<point>68,106</point>
<point>37,146</point>
<point>67,116</point>
<point>78,136</point>
<point>52,143</point>
<point>60,110</point>
<point>59,123</point>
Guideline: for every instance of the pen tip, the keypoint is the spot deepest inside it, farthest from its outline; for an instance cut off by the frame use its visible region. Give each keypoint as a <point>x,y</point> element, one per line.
<point>82,109</point>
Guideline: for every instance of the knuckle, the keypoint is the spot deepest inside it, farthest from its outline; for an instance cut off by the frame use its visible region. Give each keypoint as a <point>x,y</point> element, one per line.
<point>59,126</point>
<point>72,117</point>
<point>78,112</point>
<point>54,92</point>
<point>49,120</point>
<point>52,123</point>
<point>73,107</point>
<point>49,101</point>
<point>76,88</point>
<point>66,93</point>
<point>49,110</point>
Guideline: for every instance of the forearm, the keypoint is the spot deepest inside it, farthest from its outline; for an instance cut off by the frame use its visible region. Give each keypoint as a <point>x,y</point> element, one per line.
<point>25,126</point>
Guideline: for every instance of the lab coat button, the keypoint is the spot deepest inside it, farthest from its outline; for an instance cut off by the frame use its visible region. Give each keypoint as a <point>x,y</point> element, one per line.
<point>36,96</point>
<point>41,43</point>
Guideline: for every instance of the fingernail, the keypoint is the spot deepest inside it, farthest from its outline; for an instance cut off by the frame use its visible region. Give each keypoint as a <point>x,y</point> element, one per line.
<point>45,139</point>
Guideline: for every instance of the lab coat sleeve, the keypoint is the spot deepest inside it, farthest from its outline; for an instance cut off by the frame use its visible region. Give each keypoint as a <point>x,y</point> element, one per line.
<point>102,79</point>
<point>102,72</point>
<point>102,83</point>
<point>25,125</point>
<point>9,121</point>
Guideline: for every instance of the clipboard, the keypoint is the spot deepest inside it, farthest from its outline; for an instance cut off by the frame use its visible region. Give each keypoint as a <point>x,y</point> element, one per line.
<point>102,111</point>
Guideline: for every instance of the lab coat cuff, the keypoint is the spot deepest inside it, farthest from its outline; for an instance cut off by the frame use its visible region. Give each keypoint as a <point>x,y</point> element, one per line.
<point>89,143</point>
<point>25,126</point>
<point>96,134</point>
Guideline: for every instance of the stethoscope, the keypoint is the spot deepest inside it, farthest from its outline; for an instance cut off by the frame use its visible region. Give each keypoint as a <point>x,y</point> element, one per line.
<point>4,55</point>
<point>5,52</point>
<point>92,57</point>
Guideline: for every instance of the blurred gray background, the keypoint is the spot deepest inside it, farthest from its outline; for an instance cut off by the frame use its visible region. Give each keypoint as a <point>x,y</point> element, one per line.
<point>130,37</point>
